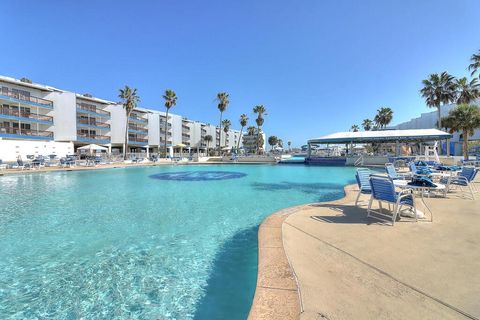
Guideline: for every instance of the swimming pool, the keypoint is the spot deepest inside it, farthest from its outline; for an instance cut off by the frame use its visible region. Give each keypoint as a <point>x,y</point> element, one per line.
<point>165,242</point>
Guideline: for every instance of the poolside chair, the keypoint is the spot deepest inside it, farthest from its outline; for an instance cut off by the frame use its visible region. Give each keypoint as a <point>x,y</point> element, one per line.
<point>3,166</point>
<point>22,165</point>
<point>393,174</point>
<point>363,181</point>
<point>464,179</point>
<point>383,190</point>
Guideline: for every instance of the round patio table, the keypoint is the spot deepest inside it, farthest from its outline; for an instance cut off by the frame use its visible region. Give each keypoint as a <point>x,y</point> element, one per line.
<point>403,184</point>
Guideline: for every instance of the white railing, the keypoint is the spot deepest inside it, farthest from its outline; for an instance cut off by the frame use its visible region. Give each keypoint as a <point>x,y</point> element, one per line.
<point>359,161</point>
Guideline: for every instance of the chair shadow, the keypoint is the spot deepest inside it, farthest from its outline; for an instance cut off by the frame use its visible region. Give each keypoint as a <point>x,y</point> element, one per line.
<point>348,214</point>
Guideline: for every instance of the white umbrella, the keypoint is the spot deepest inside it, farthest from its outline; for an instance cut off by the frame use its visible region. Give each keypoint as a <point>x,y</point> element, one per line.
<point>92,147</point>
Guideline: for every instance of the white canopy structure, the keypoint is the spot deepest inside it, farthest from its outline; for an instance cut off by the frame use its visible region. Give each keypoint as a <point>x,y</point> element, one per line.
<point>93,147</point>
<point>382,136</point>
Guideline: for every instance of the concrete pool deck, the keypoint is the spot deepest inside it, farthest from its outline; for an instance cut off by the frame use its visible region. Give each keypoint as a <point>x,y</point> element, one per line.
<point>347,266</point>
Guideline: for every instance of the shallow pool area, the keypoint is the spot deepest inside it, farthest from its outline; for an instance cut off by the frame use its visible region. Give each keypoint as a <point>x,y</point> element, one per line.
<point>164,242</point>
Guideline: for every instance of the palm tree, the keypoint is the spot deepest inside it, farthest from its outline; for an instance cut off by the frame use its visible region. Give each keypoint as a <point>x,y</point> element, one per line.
<point>367,124</point>
<point>475,65</point>
<point>223,101</point>
<point>129,100</point>
<point>243,123</point>
<point>226,126</point>
<point>464,118</point>
<point>384,117</point>
<point>467,91</point>
<point>354,128</point>
<point>208,138</point>
<point>260,111</point>
<point>170,100</point>
<point>438,90</point>
<point>280,143</point>
<point>272,141</point>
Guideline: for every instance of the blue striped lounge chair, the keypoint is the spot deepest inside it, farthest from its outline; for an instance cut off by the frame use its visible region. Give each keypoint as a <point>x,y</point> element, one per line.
<point>393,174</point>
<point>363,181</point>
<point>465,179</point>
<point>383,190</point>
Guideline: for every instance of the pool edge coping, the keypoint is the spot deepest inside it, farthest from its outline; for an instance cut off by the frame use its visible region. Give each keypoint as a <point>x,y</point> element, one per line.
<point>277,291</point>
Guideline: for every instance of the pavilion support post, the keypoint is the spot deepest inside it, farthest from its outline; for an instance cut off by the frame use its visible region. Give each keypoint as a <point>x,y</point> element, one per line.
<point>448,147</point>
<point>397,148</point>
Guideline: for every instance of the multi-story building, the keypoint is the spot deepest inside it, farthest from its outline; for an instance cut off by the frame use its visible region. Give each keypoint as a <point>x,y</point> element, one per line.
<point>250,141</point>
<point>33,112</point>
<point>429,120</point>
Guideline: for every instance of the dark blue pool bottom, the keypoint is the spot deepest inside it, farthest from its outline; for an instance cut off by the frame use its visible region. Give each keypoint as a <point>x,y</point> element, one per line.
<point>198,175</point>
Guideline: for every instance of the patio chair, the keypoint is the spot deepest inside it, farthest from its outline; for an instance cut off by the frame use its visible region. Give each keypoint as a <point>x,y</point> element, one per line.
<point>363,181</point>
<point>22,165</point>
<point>393,174</point>
<point>465,179</point>
<point>3,166</point>
<point>383,190</point>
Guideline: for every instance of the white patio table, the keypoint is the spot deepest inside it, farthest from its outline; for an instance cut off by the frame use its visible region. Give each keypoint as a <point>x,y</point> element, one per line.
<point>403,184</point>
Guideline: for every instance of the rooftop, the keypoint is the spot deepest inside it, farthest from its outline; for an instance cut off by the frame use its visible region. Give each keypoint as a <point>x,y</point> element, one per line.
<point>382,135</point>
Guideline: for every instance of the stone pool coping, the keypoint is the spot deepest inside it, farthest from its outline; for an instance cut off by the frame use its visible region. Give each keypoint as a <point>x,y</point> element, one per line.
<point>277,293</point>
<point>329,261</point>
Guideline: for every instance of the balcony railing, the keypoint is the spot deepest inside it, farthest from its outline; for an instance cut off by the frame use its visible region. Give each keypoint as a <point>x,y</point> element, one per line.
<point>92,108</point>
<point>16,95</point>
<point>136,139</point>
<point>137,118</point>
<point>24,114</point>
<point>138,129</point>
<point>92,136</point>
<point>93,122</point>
<point>26,132</point>
<point>162,124</point>
<point>162,132</point>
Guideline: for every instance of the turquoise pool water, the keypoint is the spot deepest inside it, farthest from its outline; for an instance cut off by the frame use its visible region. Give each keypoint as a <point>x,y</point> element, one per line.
<point>145,242</point>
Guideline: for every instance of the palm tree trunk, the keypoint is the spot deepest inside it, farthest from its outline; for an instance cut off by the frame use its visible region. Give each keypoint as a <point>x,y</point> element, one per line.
<point>220,133</point>
<point>166,129</point>
<point>125,146</point>
<point>465,144</point>
<point>258,139</point>
<point>239,138</point>
<point>439,118</point>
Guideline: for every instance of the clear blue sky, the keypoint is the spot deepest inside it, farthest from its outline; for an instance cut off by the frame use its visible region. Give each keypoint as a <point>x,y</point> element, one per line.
<point>317,66</point>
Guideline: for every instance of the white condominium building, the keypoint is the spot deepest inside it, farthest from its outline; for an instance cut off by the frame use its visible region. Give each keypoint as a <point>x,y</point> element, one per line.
<point>32,112</point>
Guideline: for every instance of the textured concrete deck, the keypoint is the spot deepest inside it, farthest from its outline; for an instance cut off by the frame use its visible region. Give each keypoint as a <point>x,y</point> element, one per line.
<point>351,267</point>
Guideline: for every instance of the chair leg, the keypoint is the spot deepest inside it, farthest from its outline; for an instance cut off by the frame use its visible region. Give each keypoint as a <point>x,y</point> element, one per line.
<point>471,191</point>
<point>380,205</point>
<point>369,206</point>
<point>358,197</point>
<point>394,213</point>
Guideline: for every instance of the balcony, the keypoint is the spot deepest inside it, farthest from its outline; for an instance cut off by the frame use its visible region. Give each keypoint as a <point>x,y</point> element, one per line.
<point>92,110</point>
<point>162,124</point>
<point>162,133</point>
<point>10,132</point>
<point>25,116</point>
<point>8,94</point>
<point>92,123</point>
<point>137,140</point>
<point>91,137</point>
<point>137,129</point>
<point>137,119</point>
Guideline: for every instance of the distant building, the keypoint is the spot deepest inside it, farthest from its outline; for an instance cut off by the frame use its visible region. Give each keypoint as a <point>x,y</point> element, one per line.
<point>429,120</point>
<point>250,141</point>
<point>32,112</point>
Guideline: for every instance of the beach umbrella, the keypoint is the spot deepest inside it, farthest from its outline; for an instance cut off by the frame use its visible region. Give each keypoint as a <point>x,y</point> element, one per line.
<point>93,147</point>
